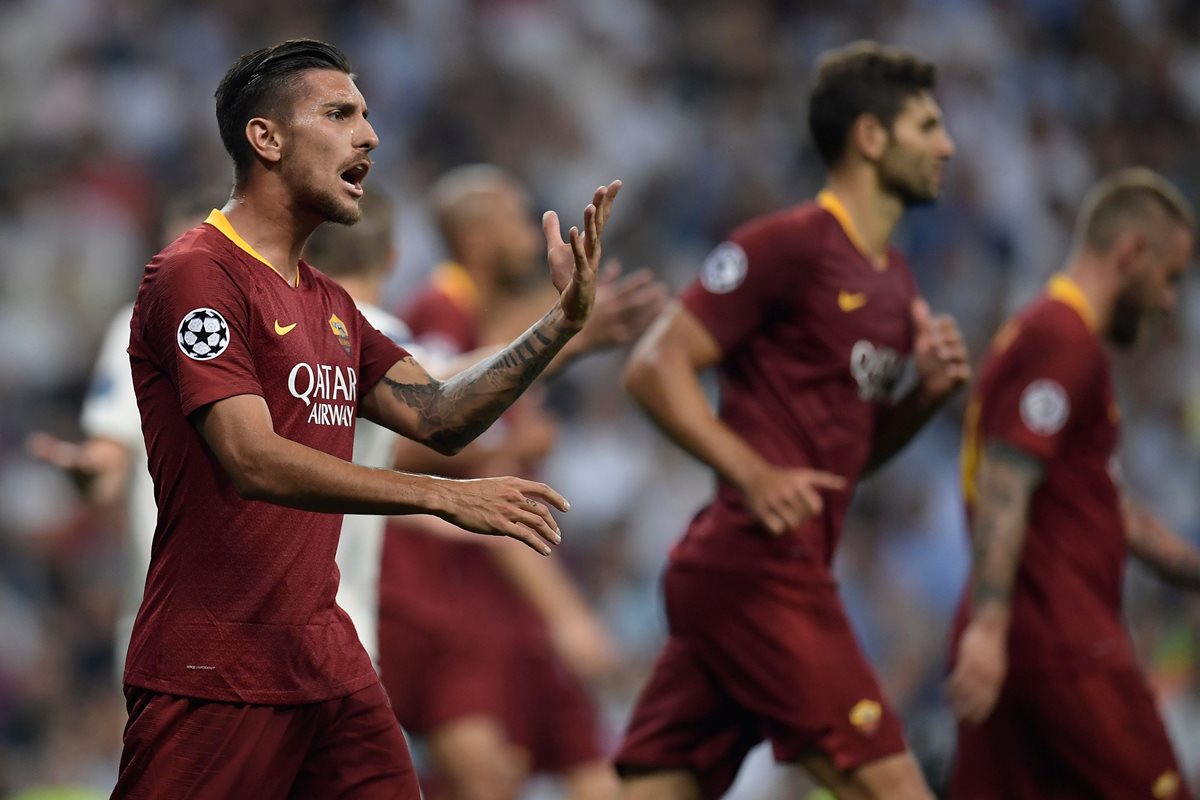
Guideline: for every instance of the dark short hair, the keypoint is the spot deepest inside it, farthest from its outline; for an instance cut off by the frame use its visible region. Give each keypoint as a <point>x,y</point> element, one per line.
<point>862,78</point>
<point>1134,195</point>
<point>362,249</point>
<point>261,84</point>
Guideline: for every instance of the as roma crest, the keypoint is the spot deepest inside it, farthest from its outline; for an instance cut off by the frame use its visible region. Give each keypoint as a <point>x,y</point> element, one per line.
<point>339,330</point>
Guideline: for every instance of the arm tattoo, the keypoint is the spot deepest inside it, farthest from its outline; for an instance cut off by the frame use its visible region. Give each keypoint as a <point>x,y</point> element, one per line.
<point>1007,481</point>
<point>454,412</point>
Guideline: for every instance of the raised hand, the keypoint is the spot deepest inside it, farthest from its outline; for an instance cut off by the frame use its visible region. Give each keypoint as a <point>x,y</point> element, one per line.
<point>625,307</point>
<point>938,349</point>
<point>510,507</point>
<point>784,499</point>
<point>574,265</point>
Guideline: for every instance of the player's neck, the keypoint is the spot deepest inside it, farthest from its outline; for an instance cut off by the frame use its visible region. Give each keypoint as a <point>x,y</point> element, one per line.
<point>1098,283</point>
<point>875,213</point>
<point>271,227</point>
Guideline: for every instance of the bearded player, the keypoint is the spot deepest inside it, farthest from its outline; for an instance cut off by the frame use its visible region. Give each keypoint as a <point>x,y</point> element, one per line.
<point>1045,681</point>
<point>244,678</point>
<point>809,316</point>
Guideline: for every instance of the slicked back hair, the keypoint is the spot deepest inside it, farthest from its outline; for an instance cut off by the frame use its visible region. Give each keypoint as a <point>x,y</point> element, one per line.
<point>263,84</point>
<point>1135,195</point>
<point>862,78</point>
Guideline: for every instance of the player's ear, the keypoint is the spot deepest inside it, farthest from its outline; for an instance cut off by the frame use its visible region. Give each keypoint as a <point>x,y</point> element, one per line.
<point>266,138</point>
<point>869,136</point>
<point>1129,250</point>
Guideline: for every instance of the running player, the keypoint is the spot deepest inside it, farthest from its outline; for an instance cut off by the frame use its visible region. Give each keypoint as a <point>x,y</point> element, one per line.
<point>809,316</point>
<point>495,695</point>
<point>1045,681</point>
<point>244,678</point>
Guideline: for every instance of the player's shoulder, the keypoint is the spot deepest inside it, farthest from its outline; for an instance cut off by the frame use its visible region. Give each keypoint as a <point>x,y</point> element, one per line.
<point>1047,321</point>
<point>201,253</point>
<point>1049,333</point>
<point>795,225</point>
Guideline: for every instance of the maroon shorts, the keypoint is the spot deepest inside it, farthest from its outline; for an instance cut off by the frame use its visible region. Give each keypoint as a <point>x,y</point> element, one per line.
<point>1095,735</point>
<point>748,659</point>
<point>349,747</point>
<point>456,641</point>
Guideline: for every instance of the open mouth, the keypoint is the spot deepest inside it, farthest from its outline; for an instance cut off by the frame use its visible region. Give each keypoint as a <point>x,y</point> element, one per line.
<point>354,177</point>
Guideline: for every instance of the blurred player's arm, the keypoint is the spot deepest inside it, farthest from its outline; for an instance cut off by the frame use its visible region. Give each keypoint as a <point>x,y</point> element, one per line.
<point>625,307</point>
<point>98,465</point>
<point>1176,560</point>
<point>448,415</point>
<point>579,637</point>
<point>943,366</point>
<point>1007,479</point>
<point>265,466</point>
<point>663,376</point>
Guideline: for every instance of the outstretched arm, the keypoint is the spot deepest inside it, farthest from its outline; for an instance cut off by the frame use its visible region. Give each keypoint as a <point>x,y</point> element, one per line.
<point>662,375</point>
<point>943,366</point>
<point>268,467</point>
<point>1007,479</point>
<point>1175,559</point>
<point>448,415</point>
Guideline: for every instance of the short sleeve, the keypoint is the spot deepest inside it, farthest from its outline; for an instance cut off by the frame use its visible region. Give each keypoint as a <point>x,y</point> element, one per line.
<point>379,353</point>
<point>740,282</point>
<point>192,322</point>
<point>1043,382</point>
<point>110,407</point>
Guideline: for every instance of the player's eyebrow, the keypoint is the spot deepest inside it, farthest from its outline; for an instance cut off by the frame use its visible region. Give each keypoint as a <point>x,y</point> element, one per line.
<point>346,106</point>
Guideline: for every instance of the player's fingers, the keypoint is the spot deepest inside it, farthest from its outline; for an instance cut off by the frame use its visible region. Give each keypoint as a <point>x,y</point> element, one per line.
<point>544,492</point>
<point>532,506</point>
<point>579,250</point>
<point>921,315</point>
<point>593,231</point>
<point>552,230</point>
<point>54,451</point>
<point>546,529</point>
<point>610,272</point>
<point>515,530</point>
<point>825,480</point>
<point>605,205</point>
<point>811,500</point>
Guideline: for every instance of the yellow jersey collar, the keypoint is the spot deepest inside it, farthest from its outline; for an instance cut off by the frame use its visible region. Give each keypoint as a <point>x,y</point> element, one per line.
<point>1067,291</point>
<point>219,221</point>
<point>830,202</point>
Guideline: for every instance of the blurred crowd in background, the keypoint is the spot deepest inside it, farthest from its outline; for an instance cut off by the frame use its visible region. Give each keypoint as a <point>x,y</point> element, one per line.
<point>106,118</point>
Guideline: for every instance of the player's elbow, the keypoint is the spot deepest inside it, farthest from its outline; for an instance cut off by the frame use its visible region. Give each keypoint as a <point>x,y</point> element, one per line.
<point>251,474</point>
<point>638,376</point>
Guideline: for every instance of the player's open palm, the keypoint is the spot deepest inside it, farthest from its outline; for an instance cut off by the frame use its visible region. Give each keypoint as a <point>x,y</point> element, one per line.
<point>974,685</point>
<point>510,507</point>
<point>784,499</point>
<point>574,264</point>
<point>939,351</point>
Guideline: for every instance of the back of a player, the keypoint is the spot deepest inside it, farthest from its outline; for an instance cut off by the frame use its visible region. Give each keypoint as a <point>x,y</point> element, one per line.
<point>1075,718</point>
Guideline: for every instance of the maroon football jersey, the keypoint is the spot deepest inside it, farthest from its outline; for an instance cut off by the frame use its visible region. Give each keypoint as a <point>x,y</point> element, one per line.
<point>1046,389</point>
<point>239,601</point>
<point>444,316</point>
<point>814,335</point>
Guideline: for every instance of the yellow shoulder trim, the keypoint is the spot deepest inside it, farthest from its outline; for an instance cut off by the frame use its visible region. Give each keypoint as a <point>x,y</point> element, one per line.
<point>454,281</point>
<point>1067,292</point>
<point>221,223</point>
<point>830,202</point>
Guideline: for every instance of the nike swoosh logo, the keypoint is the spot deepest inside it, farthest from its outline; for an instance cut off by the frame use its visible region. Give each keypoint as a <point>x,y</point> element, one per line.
<point>284,330</point>
<point>851,301</point>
